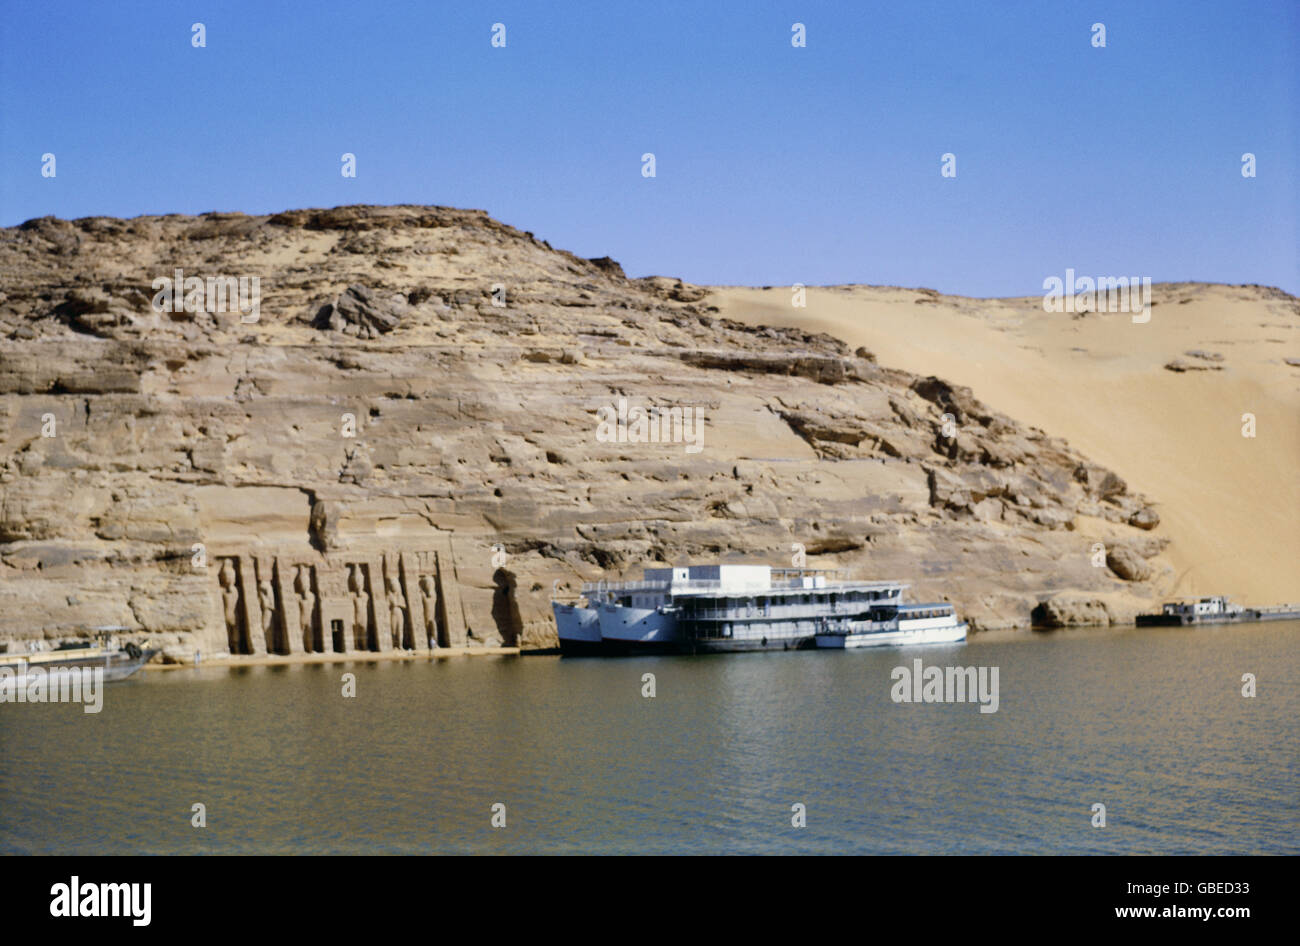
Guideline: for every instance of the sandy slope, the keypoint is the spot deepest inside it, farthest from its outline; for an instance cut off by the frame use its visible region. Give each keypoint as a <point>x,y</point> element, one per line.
<point>1230,504</point>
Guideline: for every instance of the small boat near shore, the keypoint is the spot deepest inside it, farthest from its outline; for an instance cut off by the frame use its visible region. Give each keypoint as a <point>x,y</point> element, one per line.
<point>1216,609</point>
<point>118,663</point>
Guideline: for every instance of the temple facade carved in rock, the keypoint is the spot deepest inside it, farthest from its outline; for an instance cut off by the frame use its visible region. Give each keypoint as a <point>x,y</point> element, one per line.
<point>274,603</point>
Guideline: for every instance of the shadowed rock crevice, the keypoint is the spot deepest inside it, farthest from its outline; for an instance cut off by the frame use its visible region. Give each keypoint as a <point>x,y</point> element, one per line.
<point>505,609</point>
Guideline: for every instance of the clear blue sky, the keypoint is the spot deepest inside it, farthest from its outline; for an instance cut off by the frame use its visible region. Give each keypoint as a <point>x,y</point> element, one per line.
<point>775,165</point>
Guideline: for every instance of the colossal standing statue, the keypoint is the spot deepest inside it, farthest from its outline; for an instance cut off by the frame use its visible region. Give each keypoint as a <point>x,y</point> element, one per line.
<point>360,608</point>
<point>230,604</point>
<point>397,615</point>
<point>306,608</point>
<point>429,594</point>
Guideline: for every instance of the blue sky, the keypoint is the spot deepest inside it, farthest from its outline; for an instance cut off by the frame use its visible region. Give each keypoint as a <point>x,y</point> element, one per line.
<point>775,165</point>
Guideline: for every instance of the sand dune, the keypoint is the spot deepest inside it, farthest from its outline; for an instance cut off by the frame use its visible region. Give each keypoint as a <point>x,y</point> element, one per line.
<point>1229,503</point>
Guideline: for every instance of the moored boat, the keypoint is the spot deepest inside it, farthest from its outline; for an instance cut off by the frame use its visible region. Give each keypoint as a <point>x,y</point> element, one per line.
<point>904,626</point>
<point>116,663</point>
<point>1216,609</point>
<point>776,609</point>
<point>718,608</point>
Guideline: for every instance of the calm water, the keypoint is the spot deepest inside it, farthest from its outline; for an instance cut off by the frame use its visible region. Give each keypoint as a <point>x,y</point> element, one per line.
<point>1151,723</point>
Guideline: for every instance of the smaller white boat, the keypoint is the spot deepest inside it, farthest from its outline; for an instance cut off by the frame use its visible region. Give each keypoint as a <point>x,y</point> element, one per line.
<point>908,625</point>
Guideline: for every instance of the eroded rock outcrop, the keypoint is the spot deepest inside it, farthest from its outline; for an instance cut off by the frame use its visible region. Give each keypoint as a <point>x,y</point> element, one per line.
<point>1073,610</point>
<point>363,312</point>
<point>1125,562</point>
<point>406,439</point>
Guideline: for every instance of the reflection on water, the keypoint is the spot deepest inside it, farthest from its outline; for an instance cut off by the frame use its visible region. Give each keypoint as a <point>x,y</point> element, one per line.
<point>1151,723</point>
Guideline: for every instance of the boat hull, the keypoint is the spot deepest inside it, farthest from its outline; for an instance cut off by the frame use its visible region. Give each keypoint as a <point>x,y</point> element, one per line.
<point>578,629</point>
<point>899,637</point>
<point>572,648</point>
<point>725,645</point>
<point>625,630</point>
<point>117,665</point>
<point>1248,616</point>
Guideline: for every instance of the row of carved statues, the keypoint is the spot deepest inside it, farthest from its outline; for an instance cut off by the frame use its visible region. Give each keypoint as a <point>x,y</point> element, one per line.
<point>388,601</point>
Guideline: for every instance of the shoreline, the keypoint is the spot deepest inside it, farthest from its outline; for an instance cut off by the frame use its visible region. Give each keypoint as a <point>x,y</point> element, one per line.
<point>443,653</point>
<point>362,656</point>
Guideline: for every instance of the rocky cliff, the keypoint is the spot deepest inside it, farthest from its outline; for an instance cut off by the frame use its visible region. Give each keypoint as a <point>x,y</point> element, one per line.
<point>418,419</point>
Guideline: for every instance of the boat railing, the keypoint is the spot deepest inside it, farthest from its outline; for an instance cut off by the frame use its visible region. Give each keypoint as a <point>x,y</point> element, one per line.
<point>800,612</point>
<point>791,575</point>
<point>805,572</point>
<point>599,587</point>
<point>705,585</point>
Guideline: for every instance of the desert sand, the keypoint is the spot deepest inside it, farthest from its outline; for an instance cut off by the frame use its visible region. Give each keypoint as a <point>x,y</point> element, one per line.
<point>1230,504</point>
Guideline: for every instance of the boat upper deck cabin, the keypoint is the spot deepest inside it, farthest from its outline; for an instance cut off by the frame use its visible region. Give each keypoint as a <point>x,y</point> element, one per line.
<point>741,587</point>
<point>1215,604</point>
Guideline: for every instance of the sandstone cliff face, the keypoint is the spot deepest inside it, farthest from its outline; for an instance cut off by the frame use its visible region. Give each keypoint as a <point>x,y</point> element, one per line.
<point>408,439</point>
